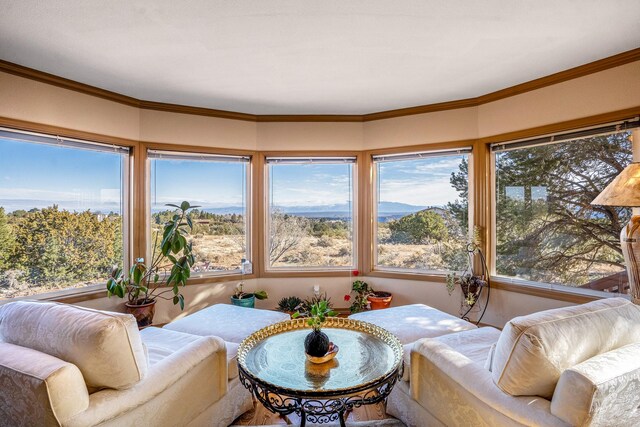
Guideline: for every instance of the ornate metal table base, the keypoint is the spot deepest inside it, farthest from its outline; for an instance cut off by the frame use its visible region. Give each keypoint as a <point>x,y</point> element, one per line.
<point>318,410</point>
<point>273,366</point>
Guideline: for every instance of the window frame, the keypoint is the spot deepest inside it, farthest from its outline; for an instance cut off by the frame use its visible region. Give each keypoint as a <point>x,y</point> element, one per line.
<point>543,289</point>
<point>312,271</point>
<point>431,150</point>
<point>88,141</point>
<point>204,277</point>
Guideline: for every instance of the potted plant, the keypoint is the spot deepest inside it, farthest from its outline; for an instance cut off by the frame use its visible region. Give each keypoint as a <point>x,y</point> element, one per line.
<point>471,284</point>
<point>170,268</point>
<point>289,305</point>
<point>305,307</point>
<point>316,343</point>
<point>367,296</point>
<point>246,299</point>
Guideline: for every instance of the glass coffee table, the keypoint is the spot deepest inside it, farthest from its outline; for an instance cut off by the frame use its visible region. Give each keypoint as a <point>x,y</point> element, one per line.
<point>272,364</point>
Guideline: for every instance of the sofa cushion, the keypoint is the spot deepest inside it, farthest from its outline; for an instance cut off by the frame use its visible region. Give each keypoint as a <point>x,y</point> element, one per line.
<point>229,322</point>
<point>41,389</point>
<point>105,346</point>
<point>411,322</point>
<point>604,390</point>
<point>162,343</point>
<point>534,350</point>
<point>474,344</point>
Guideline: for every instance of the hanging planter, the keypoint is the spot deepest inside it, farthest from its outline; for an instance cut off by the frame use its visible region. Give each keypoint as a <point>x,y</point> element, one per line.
<point>472,285</point>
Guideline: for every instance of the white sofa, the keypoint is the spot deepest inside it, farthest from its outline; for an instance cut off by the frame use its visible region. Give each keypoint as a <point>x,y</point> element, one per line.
<point>63,365</point>
<point>575,366</point>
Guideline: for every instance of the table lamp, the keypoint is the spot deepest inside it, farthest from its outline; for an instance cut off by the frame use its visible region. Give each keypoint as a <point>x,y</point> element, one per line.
<point>624,191</point>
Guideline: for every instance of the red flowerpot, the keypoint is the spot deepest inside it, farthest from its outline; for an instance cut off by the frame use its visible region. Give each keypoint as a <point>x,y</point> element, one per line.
<point>379,300</point>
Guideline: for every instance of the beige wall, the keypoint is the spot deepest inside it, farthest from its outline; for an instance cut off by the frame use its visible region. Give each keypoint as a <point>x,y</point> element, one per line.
<point>186,129</point>
<point>611,90</point>
<point>32,101</point>
<point>602,92</point>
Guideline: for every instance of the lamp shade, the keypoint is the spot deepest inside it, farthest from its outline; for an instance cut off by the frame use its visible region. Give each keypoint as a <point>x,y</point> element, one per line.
<point>624,190</point>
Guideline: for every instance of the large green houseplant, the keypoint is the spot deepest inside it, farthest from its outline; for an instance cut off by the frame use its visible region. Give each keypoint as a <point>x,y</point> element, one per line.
<point>170,268</point>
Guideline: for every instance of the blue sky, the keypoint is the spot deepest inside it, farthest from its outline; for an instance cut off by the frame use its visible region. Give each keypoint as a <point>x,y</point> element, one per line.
<point>204,183</point>
<point>38,175</point>
<point>421,182</point>
<point>310,184</point>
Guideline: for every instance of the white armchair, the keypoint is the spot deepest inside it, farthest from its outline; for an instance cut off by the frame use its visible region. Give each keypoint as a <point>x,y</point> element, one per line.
<point>575,366</point>
<point>63,365</point>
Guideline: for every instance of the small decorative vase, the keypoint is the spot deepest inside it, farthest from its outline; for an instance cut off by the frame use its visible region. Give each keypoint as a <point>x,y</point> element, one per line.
<point>316,344</point>
<point>248,301</point>
<point>380,300</point>
<point>143,311</point>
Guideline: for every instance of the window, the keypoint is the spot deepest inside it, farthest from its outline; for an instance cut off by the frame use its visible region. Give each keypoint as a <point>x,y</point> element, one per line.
<point>546,229</point>
<point>219,185</point>
<point>63,212</point>
<point>422,211</point>
<point>311,214</point>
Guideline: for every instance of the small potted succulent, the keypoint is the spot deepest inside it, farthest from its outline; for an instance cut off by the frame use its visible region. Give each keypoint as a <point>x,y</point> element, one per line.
<point>289,305</point>
<point>170,268</point>
<point>246,299</point>
<point>365,296</point>
<point>316,343</point>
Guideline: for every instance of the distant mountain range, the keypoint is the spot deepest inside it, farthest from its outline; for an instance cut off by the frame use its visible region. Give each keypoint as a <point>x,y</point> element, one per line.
<point>385,210</point>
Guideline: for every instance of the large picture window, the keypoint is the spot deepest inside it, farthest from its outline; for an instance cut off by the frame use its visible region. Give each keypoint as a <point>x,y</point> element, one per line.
<point>421,203</point>
<point>546,229</point>
<point>63,212</point>
<point>219,186</point>
<point>311,213</point>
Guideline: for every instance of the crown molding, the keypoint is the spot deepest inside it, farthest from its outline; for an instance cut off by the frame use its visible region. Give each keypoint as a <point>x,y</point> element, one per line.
<point>562,76</point>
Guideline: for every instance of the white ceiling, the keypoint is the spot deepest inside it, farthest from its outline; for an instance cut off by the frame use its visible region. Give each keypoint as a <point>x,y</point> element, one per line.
<point>312,57</point>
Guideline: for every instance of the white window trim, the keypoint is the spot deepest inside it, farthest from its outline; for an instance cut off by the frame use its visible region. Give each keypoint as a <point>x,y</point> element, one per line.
<point>374,209</point>
<point>205,157</point>
<point>354,213</point>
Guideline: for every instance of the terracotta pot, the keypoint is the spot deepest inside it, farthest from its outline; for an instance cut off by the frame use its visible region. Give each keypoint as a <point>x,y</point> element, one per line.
<point>143,311</point>
<point>380,300</point>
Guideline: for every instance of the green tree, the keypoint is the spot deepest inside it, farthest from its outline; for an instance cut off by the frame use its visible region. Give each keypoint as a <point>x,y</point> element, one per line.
<point>7,241</point>
<point>425,226</point>
<point>51,244</point>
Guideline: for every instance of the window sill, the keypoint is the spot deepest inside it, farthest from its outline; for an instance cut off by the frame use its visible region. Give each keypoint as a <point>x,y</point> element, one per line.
<point>545,290</point>
<point>425,276</point>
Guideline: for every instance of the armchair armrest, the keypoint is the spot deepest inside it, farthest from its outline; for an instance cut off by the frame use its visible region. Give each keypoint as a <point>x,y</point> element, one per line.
<point>458,391</point>
<point>38,389</point>
<point>181,385</point>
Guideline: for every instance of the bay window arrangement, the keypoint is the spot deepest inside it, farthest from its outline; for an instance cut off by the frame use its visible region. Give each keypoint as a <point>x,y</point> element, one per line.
<point>219,185</point>
<point>421,211</point>
<point>545,228</point>
<point>311,214</point>
<point>64,212</point>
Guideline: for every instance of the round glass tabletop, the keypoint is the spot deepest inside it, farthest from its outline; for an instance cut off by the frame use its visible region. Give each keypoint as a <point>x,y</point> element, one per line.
<point>275,356</point>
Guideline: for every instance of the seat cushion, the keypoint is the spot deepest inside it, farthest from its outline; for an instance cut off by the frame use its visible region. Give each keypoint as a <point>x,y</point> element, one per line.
<point>229,322</point>
<point>604,390</point>
<point>534,350</point>
<point>411,322</point>
<point>161,343</point>
<point>97,342</point>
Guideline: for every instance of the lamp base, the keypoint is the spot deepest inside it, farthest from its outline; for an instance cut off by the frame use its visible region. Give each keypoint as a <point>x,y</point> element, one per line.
<point>630,243</point>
